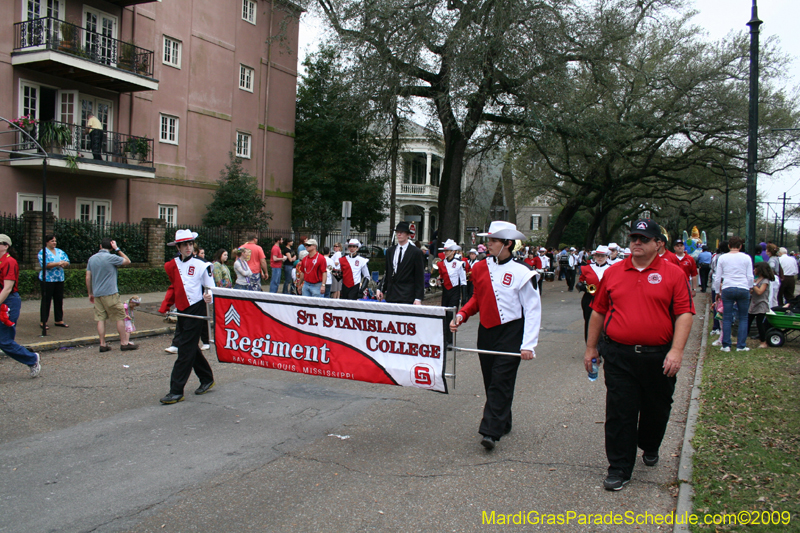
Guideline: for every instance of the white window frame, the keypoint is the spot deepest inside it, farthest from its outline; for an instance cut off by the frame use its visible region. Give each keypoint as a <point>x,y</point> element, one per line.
<point>38,89</point>
<point>93,204</point>
<point>161,132</point>
<point>246,75</point>
<point>249,8</point>
<point>52,202</point>
<point>536,222</point>
<point>175,56</point>
<point>166,211</point>
<point>244,145</point>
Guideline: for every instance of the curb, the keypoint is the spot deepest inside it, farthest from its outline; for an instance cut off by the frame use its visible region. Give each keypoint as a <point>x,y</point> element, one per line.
<point>686,492</point>
<point>84,341</point>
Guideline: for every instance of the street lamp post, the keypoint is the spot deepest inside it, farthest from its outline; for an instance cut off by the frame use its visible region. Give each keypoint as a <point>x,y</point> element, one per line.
<point>727,189</point>
<point>722,221</point>
<point>752,133</point>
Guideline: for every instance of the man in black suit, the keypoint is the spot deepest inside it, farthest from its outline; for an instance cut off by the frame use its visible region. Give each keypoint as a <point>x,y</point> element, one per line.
<point>404,282</point>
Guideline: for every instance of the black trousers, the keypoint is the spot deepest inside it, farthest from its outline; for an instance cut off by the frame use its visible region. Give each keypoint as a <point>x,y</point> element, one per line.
<point>96,140</point>
<point>350,293</point>
<point>499,375</point>
<point>189,355</point>
<point>704,270</point>
<point>638,403</point>
<point>450,298</point>
<point>586,303</point>
<point>569,273</point>
<point>761,324</point>
<point>176,336</point>
<point>786,291</point>
<point>53,290</point>
<point>470,291</point>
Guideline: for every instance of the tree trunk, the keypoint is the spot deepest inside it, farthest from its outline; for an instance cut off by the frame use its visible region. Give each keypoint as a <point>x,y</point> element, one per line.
<point>572,206</point>
<point>394,148</point>
<point>508,191</point>
<point>450,187</point>
<point>598,220</point>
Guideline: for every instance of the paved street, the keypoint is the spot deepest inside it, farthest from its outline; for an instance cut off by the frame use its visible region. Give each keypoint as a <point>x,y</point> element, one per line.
<point>87,446</point>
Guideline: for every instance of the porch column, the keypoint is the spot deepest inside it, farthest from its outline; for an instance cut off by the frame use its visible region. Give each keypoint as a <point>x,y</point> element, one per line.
<point>429,157</point>
<point>426,218</point>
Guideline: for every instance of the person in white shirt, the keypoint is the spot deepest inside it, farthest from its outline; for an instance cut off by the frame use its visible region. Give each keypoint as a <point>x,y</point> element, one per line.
<point>189,277</point>
<point>510,316</point>
<point>789,266</point>
<point>613,254</point>
<point>735,278</point>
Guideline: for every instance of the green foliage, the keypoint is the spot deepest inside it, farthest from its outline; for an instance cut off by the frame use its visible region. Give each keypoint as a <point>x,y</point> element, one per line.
<point>130,280</point>
<point>54,134</point>
<point>575,232</point>
<point>746,440</point>
<point>334,150</point>
<point>138,146</point>
<point>81,240</point>
<point>237,202</point>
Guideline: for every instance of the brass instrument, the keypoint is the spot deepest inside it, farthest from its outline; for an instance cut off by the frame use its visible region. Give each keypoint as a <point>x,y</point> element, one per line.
<point>517,246</point>
<point>664,232</point>
<point>591,289</point>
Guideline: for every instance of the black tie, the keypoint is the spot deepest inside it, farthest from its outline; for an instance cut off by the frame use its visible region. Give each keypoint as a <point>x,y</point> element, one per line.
<point>400,259</point>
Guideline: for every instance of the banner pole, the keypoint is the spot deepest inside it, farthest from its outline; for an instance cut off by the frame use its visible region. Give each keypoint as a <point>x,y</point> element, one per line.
<point>489,352</point>
<point>175,313</point>
<point>211,328</point>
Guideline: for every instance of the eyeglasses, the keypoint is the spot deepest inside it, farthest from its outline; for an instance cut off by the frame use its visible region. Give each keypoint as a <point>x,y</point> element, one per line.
<point>643,240</point>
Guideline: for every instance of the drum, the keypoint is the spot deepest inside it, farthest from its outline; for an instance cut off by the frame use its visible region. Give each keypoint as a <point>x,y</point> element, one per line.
<point>549,276</point>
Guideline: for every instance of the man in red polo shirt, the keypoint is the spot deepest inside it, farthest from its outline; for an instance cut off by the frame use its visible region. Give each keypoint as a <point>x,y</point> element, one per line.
<point>686,262</point>
<point>663,253</point>
<point>313,271</point>
<point>643,309</point>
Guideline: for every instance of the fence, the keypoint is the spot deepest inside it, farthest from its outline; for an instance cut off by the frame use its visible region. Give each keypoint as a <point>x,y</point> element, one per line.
<point>12,226</point>
<point>80,240</point>
<point>210,239</point>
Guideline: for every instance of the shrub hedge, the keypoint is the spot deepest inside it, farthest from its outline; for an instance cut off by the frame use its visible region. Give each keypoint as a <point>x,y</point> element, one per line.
<point>130,280</point>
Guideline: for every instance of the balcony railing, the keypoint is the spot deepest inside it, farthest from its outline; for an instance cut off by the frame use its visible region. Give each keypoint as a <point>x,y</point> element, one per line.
<point>72,140</point>
<point>415,189</point>
<point>49,33</point>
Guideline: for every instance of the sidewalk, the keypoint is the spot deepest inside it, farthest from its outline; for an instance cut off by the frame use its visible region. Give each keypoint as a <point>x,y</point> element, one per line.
<point>82,330</point>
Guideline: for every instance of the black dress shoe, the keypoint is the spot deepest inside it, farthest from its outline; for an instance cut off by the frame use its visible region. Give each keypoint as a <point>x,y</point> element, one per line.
<point>488,442</point>
<point>171,398</point>
<point>204,388</point>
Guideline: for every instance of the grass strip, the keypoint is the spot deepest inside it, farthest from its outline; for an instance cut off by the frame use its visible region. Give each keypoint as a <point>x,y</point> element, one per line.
<point>747,440</point>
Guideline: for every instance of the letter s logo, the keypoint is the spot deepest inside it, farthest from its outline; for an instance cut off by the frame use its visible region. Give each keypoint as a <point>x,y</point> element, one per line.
<point>508,278</point>
<point>421,376</point>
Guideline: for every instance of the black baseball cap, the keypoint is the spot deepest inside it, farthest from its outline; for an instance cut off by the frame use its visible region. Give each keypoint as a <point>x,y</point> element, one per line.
<point>677,241</point>
<point>646,227</point>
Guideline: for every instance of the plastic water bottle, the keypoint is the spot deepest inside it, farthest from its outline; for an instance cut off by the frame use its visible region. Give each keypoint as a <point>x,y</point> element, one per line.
<point>593,373</point>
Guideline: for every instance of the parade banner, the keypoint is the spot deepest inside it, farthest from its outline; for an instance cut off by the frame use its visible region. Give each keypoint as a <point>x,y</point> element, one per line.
<point>376,342</point>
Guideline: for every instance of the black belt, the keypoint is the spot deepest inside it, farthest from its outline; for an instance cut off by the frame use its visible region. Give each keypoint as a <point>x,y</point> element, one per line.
<point>637,348</point>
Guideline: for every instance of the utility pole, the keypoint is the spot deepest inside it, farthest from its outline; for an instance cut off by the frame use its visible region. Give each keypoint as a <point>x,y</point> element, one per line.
<point>752,133</point>
<point>783,218</point>
<point>775,229</point>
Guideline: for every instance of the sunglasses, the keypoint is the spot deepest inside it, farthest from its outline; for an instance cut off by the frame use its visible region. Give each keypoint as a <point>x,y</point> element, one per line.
<point>643,240</point>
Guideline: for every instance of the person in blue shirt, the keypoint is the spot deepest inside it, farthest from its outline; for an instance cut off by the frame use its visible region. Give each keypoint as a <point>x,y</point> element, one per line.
<point>52,263</point>
<point>704,265</point>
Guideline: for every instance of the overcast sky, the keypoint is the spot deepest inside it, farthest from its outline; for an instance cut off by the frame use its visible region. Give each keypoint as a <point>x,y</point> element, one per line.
<point>718,17</point>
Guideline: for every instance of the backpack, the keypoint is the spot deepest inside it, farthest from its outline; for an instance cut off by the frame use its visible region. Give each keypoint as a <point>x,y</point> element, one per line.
<point>563,261</point>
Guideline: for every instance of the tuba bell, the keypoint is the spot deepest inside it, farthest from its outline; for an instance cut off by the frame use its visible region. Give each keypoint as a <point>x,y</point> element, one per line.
<point>591,289</point>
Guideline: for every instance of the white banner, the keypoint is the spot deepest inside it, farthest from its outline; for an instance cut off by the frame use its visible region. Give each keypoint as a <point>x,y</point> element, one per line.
<point>376,342</point>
